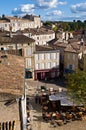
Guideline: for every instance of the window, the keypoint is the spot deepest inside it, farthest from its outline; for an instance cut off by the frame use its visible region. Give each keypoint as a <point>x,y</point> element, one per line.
<point>37,66</point>
<point>5,25</point>
<point>50,37</point>
<point>42,56</point>
<point>13,24</point>
<point>49,65</point>
<point>54,64</point>
<point>70,67</point>
<point>37,38</point>
<point>28,74</point>
<point>2,48</point>
<point>28,51</point>
<point>42,65</point>
<point>48,56</point>
<point>29,62</point>
<point>54,55</point>
<point>29,35</point>
<point>36,57</point>
<point>73,57</point>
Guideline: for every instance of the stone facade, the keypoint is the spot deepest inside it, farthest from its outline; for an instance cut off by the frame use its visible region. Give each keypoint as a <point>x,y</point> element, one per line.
<point>70,62</point>
<point>14,23</point>
<point>14,44</point>
<point>42,63</point>
<point>41,35</point>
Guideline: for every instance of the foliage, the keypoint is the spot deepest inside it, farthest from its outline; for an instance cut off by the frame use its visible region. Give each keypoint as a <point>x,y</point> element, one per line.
<point>55,28</point>
<point>47,23</point>
<point>68,26</point>
<point>76,84</point>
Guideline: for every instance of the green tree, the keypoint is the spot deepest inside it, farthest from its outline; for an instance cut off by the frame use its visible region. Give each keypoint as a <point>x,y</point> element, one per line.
<point>55,28</point>
<point>76,84</point>
<point>47,23</point>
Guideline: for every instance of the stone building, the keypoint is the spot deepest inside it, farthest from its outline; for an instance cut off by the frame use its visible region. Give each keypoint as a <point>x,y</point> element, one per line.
<point>42,62</point>
<point>40,35</point>
<point>15,23</point>
<point>13,44</point>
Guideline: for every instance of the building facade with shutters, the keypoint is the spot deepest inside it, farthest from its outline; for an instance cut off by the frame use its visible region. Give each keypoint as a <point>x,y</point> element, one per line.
<point>40,35</point>
<point>42,63</point>
<point>74,58</point>
<point>15,23</point>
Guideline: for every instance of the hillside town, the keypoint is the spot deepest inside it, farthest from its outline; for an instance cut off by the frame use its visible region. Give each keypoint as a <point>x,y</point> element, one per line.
<point>34,63</point>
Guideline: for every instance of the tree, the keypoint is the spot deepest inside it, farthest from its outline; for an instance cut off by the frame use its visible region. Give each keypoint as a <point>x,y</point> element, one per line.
<point>3,15</point>
<point>47,23</point>
<point>55,28</point>
<point>76,84</point>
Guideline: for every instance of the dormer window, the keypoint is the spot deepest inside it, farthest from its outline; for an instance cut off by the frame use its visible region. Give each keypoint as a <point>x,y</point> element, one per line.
<point>37,38</point>
<point>5,25</point>
<point>2,48</point>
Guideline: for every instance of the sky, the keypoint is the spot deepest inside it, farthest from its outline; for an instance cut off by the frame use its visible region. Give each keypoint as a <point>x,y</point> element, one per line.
<point>54,10</point>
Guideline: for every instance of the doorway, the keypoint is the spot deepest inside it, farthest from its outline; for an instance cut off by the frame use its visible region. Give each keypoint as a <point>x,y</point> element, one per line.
<point>39,76</point>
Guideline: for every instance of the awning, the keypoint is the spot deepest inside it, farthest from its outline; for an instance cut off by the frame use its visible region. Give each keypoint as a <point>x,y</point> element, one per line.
<point>63,97</point>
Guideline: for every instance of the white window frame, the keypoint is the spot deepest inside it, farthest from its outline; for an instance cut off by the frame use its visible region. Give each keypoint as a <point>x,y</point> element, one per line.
<point>28,52</point>
<point>48,65</point>
<point>29,61</point>
<point>37,66</point>
<point>48,56</point>
<point>54,55</point>
<point>42,56</point>
<point>42,65</point>
<point>36,56</point>
<point>54,64</point>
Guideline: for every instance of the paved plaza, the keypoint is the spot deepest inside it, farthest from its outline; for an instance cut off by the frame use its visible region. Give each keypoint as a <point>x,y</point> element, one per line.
<point>37,123</point>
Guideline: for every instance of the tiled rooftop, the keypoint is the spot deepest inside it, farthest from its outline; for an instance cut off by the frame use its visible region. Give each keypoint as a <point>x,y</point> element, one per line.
<point>43,48</point>
<point>15,39</point>
<point>39,31</point>
<point>70,48</point>
<point>11,74</point>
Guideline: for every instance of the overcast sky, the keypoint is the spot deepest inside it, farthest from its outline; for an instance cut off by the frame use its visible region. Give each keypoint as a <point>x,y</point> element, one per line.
<point>64,10</point>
